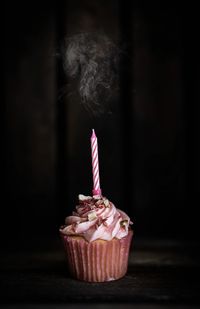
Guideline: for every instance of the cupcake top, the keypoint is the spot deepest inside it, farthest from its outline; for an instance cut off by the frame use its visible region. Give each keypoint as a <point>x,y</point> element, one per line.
<point>96,218</point>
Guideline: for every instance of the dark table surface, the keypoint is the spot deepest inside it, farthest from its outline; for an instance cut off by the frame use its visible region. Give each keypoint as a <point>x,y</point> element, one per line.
<point>161,273</point>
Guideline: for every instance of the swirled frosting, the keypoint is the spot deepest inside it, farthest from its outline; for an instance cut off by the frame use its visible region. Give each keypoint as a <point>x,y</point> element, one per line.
<point>96,218</point>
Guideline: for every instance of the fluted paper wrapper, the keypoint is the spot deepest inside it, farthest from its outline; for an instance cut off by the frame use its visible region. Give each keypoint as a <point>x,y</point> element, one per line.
<point>97,261</point>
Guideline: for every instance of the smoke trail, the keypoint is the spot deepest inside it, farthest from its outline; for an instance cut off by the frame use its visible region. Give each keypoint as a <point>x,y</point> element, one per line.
<point>94,59</point>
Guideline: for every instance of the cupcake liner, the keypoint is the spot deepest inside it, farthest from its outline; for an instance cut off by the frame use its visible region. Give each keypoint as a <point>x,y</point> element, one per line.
<point>97,261</point>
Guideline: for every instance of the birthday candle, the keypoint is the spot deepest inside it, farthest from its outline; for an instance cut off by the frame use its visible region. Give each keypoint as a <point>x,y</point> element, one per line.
<point>95,165</point>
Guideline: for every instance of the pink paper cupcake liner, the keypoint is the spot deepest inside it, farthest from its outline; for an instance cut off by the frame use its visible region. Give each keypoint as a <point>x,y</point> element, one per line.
<point>97,261</point>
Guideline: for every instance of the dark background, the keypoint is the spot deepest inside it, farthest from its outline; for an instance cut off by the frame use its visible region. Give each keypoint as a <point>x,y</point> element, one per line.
<point>148,145</point>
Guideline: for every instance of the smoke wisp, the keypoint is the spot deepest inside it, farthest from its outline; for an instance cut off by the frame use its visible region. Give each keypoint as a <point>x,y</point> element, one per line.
<point>93,59</point>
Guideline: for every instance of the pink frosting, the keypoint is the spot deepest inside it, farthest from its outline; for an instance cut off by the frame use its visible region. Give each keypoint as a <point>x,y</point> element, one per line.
<point>96,218</point>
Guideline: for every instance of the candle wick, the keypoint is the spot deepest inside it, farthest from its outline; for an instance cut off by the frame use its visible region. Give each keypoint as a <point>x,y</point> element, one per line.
<point>93,133</point>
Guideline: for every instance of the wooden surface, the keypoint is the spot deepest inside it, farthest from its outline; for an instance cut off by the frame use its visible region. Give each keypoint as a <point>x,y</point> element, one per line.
<point>159,273</point>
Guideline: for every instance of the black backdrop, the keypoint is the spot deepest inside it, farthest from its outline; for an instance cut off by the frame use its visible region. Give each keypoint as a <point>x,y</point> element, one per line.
<point>148,145</point>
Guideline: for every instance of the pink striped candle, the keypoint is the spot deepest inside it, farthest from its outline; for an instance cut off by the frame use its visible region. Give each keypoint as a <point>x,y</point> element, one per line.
<point>95,165</point>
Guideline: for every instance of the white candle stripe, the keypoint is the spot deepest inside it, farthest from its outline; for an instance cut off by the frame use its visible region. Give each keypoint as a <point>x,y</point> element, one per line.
<point>96,183</point>
<point>96,180</point>
<point>94,152</point>
<point>94,141</point>
<point>94,146</point>
<point>95,166</point>
<point>95,159</point>
<point>96,186</point>
<point>96,172</point>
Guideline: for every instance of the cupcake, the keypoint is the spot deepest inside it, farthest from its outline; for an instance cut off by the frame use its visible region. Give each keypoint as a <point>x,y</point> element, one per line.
<point>97,238</point>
